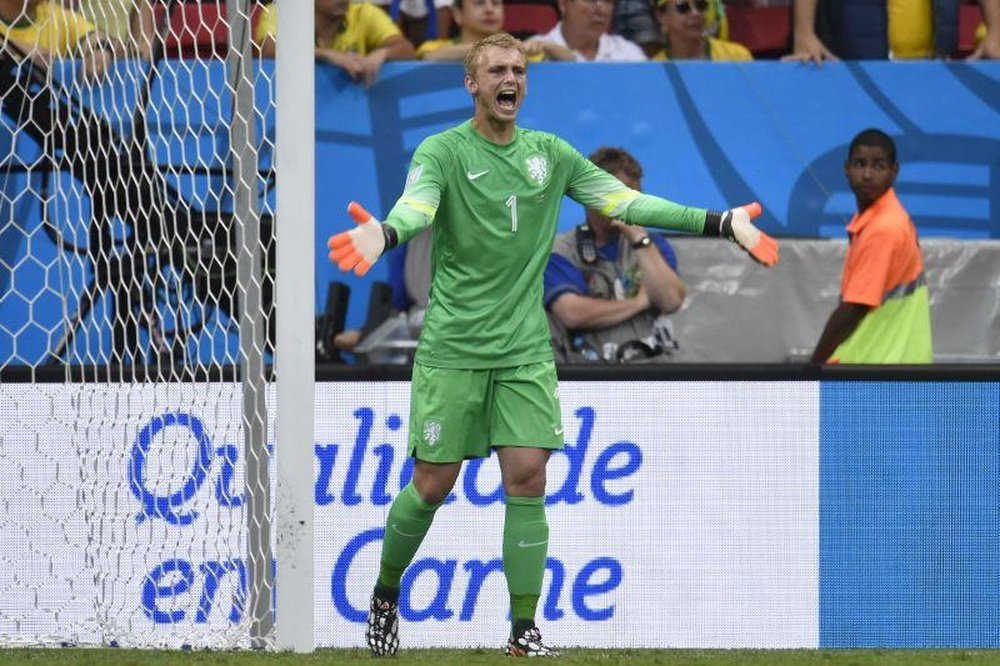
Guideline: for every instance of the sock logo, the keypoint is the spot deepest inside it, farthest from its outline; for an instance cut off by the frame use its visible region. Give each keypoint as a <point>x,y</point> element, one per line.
<point>402,533</point>
<point>522,544</point>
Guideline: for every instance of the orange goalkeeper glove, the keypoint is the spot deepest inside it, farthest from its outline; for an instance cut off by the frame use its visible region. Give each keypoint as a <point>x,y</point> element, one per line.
<point>735,225</point>
<point>360,247</point>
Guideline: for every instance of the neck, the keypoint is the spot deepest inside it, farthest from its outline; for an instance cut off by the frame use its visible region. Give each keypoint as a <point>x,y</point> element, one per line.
<point>470,36</point>
<point>686,48</point>
<point>500,132</point>
<point>583,44</point>
<point>865,205</point>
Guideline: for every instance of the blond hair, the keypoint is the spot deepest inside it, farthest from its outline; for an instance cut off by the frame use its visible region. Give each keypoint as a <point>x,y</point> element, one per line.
<point>500,40</point>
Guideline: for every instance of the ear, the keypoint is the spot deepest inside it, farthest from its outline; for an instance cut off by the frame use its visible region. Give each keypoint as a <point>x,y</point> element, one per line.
<point>471,85</point>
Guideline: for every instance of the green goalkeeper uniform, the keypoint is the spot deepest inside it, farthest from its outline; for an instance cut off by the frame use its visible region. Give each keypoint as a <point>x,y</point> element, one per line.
<point>494,211</point>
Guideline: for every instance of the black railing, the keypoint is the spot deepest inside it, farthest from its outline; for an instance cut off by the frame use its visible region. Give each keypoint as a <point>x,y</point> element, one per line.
<point>950,372</point>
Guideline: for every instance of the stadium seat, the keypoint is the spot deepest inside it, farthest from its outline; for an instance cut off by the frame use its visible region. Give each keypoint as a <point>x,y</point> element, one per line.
<point>524,19</point>
<point>765,30</point>
<point>197,29</point>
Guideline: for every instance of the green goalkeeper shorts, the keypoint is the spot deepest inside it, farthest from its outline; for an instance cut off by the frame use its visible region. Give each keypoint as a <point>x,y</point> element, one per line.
<point>458,414</point>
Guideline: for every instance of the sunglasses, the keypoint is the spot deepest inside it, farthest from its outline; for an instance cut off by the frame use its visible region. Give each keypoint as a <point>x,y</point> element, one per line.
<point>685,6</point>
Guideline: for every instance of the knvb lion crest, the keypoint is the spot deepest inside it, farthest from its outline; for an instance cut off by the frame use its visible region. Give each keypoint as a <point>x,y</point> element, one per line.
<point>538,168</point>
<point>432,432</point>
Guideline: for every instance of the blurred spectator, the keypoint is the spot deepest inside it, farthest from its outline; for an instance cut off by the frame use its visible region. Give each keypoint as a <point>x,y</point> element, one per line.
<point>44,30</point>
<point>480,18</point>
<point>609,286</point>
<point>358,38</point>
<point>859,30</point>
<point>683,24</point>
<point>413,17</point>
<point>884,315</point>
<point>176,28</point>
<point>111,17</point>
<point>634,20</point>
<point>584,28</point>
<point>146,34</point>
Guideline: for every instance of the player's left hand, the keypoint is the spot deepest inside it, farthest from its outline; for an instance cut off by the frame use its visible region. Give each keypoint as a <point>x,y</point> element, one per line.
<point>360,247</point>
<point>736,226</point>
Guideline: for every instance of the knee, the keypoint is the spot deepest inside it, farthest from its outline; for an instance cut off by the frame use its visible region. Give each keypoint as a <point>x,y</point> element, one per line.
<point>432,489</point>
<point>529,482</point>
<point>431,493</point>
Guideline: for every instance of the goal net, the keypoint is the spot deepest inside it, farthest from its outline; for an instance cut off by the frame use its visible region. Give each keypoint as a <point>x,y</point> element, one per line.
<point>137,324</point>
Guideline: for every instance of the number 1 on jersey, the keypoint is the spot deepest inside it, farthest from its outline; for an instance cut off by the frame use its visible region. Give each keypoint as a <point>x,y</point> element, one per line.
<point>512,204</point>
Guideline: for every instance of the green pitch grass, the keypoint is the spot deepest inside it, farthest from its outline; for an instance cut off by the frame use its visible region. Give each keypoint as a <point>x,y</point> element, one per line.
<point>74,657</point>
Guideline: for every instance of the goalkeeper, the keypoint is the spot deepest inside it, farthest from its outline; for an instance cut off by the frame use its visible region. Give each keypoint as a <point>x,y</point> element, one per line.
<point>483,375</point>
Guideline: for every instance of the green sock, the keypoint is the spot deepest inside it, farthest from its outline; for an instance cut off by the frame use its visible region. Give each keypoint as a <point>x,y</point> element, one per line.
<point>409,519</point>
<point>525,547</point>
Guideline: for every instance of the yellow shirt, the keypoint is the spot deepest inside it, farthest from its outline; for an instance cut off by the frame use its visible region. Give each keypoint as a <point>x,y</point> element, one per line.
<point>435,44</point>
<point>911,28</point>
<point>366,27</point>
<point>55,30</point>
<point>719,50</point>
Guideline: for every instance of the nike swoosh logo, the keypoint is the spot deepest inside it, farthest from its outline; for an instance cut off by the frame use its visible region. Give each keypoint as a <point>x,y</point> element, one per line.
<point>402,533</point>
<point>473,176</point>
<point>521,544</point>
<point>559,431</point>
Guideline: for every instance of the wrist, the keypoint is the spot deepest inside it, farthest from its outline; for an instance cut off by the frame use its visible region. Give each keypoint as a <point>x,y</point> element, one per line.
<point>714,223</point>
<point>641,242</point>
<point>390,236</point>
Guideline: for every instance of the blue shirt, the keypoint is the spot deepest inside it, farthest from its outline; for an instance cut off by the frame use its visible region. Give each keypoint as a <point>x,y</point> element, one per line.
<point>561,276</point>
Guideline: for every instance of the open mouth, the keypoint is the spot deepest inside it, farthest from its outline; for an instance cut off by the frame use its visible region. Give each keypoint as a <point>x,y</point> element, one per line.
<point>507,100</point>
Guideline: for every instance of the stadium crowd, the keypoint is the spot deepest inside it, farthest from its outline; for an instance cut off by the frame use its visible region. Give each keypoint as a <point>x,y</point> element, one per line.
<point>359,36</point>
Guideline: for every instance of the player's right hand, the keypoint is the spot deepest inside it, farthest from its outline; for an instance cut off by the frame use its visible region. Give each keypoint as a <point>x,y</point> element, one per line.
<point>360,247</point>
<point>736,225</point>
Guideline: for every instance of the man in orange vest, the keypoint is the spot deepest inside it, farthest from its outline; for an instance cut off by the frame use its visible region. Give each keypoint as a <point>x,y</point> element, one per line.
<point>884,312</point>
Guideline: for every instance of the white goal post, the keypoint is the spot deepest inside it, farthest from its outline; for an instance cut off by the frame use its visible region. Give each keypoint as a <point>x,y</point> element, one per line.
<point>156,412</point>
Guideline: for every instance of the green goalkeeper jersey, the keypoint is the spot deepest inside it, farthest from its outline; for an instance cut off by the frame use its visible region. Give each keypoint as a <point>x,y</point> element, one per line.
<point>494,210</point>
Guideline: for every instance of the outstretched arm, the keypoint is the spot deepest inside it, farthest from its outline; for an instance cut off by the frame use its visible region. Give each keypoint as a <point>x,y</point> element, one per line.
<point>595,188</point>
<point>361,247</point>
